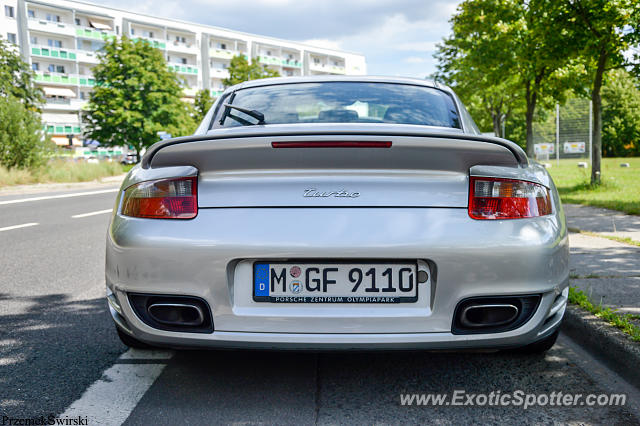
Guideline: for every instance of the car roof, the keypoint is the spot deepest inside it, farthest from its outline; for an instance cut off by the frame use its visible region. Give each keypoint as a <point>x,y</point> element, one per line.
<point>338,78</point>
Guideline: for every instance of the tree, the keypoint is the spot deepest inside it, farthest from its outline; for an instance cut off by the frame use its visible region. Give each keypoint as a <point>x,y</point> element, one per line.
<point>16,78</point>
<point>202,104</point>
<point>240,70</point>
<point>507,50</point>
<point>22,140</point>
<point>476,60</point>
<point>606,30</point>
<point>135,97</point>
<point>620,115</point>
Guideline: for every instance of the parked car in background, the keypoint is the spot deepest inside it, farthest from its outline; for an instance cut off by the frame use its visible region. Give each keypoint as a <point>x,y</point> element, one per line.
<point>128,159</point>
<point>338,212</point>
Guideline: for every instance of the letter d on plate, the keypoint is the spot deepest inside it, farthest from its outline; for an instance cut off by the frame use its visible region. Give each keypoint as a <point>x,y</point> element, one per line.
<point>261,279</point>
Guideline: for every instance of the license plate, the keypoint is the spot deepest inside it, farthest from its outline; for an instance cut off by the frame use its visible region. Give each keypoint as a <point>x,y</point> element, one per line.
<point>288,282</point>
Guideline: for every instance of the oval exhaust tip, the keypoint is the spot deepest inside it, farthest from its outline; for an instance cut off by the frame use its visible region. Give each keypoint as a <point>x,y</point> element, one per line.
<point>177,314</point>
<point>488,315</point>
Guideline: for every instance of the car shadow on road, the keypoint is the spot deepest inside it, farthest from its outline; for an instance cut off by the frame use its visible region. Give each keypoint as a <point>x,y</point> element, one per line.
<point>247,387</point>
<point>51,350</point>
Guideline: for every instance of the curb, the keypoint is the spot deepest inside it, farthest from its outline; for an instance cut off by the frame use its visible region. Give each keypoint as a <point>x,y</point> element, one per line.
<point>36,188</point>
<point>604,342</point>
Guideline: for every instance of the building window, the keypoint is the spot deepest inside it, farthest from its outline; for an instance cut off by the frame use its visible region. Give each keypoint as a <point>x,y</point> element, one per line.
<point>56,68</point>
<point>223,46</point>
<point>183,61</point>
<point>31,13</point>
<point>82,95</point>
<point>150,34</point>
<point>268,53</point>
<point>35,66</point>
<point>117,29</point>
<point>78,23</point>
<point>8,11</point>
<point>34,40</point>
<point>12,38</point>
<point>53,18</point>
<point>133,31</point>
<point>54,43</point>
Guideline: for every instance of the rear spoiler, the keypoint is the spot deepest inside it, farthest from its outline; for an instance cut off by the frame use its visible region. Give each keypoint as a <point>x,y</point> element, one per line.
<point>517,152</point>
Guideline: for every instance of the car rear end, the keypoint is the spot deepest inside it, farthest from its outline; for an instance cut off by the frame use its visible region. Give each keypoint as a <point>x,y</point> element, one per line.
<point>337,236</point>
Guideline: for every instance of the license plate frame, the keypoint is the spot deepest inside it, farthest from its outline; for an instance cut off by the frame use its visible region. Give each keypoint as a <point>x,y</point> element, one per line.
<point>379,297</point>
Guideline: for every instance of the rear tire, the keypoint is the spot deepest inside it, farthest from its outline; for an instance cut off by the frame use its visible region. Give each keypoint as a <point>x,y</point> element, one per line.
<point>132,342</point>
<point>541,346</point>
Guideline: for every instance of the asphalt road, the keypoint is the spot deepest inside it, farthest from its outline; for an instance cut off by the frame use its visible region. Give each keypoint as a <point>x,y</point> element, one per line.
<point>59,354</point>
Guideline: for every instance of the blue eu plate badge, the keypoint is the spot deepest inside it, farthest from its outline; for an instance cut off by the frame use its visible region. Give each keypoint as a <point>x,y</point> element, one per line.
<point>261,279</point>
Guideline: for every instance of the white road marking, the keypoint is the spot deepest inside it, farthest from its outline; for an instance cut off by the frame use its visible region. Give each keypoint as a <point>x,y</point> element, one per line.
<point>24,225</point>
<point>146,354</point>
<point>53,197</point>
<point>112,398</point>
<point>76,216</point>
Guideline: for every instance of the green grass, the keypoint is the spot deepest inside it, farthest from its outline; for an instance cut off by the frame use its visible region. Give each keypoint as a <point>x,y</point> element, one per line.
<point>620,188</point>
<point>619,321</point>
<point>60,171</point>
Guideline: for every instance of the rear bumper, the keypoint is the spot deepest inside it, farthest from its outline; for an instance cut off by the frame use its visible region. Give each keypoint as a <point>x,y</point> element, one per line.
<point>207,257</point>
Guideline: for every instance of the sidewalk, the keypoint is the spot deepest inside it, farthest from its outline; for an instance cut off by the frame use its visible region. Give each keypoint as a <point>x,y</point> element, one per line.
<point>607,271</point>
<point>603,221</point>
<point>55,187</point>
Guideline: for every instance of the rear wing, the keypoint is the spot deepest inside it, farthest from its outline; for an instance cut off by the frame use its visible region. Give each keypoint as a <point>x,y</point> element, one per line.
<point>332,131</point>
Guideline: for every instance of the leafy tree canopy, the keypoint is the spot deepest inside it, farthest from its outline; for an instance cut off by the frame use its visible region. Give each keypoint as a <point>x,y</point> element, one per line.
<point>135,97</point>
<point>202,104</point>
<point>620,115</point>
<point>16,78</point>
<point>604,30</point>
<point>506,55</point>
<point>22,140</point>
<point>240,70</point>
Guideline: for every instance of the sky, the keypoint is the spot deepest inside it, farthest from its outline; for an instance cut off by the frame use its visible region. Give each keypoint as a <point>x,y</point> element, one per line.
<point>397,37</point>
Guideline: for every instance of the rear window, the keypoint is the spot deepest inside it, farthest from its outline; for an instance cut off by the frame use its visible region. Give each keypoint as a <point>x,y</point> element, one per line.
<point>341,102</point>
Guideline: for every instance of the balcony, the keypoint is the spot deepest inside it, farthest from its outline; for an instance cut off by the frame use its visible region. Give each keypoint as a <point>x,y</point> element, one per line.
<point>157,43</point>
<point>190,91</point>
<point>176,46</point>
<point>54,52</point>
<point>63,128</point>
<point>291,63</point>
<point>65,79</point>
<point>219,73</point>
<point>64,104</point>
<point>183,68</point>
<point>333,69</point>
<point>87,56</point>
<point>224,53</point>
<point>94,34</point>
<point>51,27</point>
<point>270,60</point>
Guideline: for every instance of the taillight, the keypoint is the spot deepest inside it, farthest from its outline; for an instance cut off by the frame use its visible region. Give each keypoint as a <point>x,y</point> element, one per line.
<point>162,199</point>
<point>494,198</point>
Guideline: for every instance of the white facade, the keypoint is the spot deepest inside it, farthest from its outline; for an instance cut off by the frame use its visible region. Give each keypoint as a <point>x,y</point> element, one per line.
<point>59,39</point>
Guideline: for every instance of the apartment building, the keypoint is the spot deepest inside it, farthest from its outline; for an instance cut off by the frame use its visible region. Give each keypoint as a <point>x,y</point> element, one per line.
<point>60,40</point>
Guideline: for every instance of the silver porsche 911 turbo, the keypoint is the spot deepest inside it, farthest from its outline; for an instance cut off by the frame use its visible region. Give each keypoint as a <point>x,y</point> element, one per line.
<point>338,213</point>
